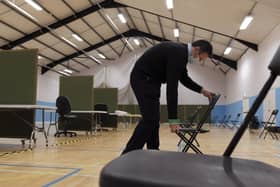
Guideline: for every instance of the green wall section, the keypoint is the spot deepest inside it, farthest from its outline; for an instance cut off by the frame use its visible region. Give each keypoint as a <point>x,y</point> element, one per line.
<point>18,76</point>
<point>108,96</point>
<point>184,111</point>
<point>79,91</point>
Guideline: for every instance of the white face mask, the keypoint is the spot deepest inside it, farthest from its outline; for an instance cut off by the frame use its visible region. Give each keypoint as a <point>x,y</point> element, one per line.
<point>193,60</point>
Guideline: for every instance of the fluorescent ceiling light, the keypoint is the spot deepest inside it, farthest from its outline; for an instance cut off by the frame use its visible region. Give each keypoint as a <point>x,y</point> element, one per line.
<point>63,73</point>
<point>77,37</point>
<point>246,22</point>
<point>129,45</point>
<point>34,5</point>
<point>95,59</point>
<point>68,71</point>
<point>68,41</point>
<point>122,18</point>
<point>111,21</point>
<point>176,32</point>
<point>136,42</point>
<point>169,4</point>
<point>101,56</point>
<point>21,10</point>
<point>228,50</point>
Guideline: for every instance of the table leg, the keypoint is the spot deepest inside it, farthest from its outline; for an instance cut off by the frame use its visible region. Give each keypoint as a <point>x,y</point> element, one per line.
<point>43,126</point>
<point>50,123</point>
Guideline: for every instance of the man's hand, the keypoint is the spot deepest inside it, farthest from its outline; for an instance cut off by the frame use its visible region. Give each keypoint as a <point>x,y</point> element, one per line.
<point>208,94</point>
<point>174,127</point>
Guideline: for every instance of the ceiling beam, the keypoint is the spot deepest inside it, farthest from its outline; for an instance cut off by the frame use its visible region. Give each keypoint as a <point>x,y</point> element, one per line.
<point>228,62</point>
<point>133,24</point>
<point>88,49</point>
<point>130,33</point>
<point>146,24</point>
<point>62,22</point>
<point>244,42</point>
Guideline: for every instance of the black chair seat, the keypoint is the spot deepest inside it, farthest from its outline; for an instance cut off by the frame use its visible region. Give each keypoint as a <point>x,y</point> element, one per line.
<point>175,169</point>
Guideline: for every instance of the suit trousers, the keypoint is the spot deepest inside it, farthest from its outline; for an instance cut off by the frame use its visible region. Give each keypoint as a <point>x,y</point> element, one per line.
<point>147,92</point>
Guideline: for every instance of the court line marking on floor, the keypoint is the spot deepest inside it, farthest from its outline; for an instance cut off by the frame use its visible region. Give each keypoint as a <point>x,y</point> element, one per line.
<point>62,178</point>
<point>55,181</point>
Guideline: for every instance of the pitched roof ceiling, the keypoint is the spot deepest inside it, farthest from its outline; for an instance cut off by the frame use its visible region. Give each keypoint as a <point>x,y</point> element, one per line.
<point>214,20</point>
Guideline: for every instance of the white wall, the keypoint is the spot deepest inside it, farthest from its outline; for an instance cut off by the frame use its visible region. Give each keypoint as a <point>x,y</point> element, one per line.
<point>118,73</point>
<point>252,70</point>
<point>47,86</point>
<point>211,79</point>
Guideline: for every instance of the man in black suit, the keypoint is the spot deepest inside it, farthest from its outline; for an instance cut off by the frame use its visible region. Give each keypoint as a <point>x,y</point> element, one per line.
<point>163,63</point>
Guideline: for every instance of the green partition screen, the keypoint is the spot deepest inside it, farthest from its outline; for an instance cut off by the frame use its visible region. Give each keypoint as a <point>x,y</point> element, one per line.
<point>184,111</point>
<point>18,80</point>
<point>108,96</point>
<point>18,76</point>
<point>78,89</point>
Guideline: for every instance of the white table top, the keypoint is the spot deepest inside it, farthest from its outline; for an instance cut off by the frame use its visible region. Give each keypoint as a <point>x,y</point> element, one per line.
<point>89,111</point>
<point>15,106</point>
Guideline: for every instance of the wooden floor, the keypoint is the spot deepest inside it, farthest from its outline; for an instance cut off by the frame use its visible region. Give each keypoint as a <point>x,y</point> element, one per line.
<point>78,161</point>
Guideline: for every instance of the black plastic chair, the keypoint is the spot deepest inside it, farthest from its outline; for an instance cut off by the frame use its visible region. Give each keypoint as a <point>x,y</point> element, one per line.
<point>64,109</point>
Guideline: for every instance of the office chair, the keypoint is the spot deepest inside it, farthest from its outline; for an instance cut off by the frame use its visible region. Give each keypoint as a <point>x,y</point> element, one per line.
<point>63,109</point>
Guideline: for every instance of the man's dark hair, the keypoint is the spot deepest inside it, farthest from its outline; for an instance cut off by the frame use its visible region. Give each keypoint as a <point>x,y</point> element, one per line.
<point>204,46</point>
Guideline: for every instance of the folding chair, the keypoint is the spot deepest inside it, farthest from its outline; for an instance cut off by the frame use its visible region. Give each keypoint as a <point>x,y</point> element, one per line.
<point>268,124</point>
<point>193,132</point>
<point>227,121</point>
<point>189,123</point>
<point>222,120</point>
<point>214,120</point>
<point>164,168</point>
<point>235,121</point>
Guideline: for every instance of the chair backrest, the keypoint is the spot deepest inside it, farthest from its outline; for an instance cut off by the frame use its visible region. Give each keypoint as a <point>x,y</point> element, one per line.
<point>101,107</point>
<point>274,113</point>
<point>228,118</point>
<point>208,111</point>
<point>194,115</point>
<point>224,118</point>
<point>63,105</point>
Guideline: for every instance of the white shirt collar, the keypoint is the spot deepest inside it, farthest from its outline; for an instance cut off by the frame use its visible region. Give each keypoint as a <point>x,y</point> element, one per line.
<point>189,51</point>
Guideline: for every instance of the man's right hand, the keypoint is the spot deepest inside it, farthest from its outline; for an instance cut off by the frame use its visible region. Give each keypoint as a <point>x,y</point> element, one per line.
<point>174,127</point>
